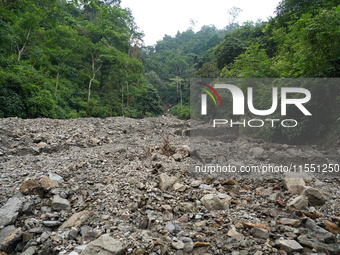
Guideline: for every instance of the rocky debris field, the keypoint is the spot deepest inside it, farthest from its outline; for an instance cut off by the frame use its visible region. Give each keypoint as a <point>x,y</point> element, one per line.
<point>124,186</point>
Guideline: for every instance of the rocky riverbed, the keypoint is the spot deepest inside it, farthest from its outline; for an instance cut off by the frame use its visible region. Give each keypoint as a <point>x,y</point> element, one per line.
<point>124,186</point>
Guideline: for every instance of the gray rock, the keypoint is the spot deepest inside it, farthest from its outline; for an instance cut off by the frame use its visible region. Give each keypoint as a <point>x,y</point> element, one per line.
<point>315,197</point>
<point>320,247</point>
<point>327,236</point>
<point>44,236</point>
<point>30,251</point>
<point>319,183</point>
<point>216,202</point>
<point>5,232</point>
<point>177,156</point>
<point>256,151</point>
<point>35,230</point>
<point>290,246</point>
<point>286,221</point>
<point>196,183</point>
<point>94,140</point>
<point>143,224</point>
<point>186,239</point>
<point>179,186</point>
<point>189,247</point>
<point>170,227</point>
<point>234,234</point>
<point>179,245</point>
<point>11,240</point>
<point>300,202</point>
<point>92,235</point>
<point>80,248</point>
<point>166,182</point>
<point>26,236</point>
<point>104,245</point>
<point>260,233</point>
<point>56,177</point>
<point>76,219</point>
<point>188,207</point>
<point>73,233</point>
<point>84,230</point>
<point>27,208</point>
<point>206,187</point>
<point>51,223</point>
<point>179,252</point>
<point>10,211</point>
<point>46,209</point>
<point>294,185</point>
<point>178,228</point>
<point>59,204</point>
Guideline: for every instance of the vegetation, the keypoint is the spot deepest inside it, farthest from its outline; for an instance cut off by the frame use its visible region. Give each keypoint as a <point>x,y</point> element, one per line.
<point>63,59</point>
<point>302,41</point>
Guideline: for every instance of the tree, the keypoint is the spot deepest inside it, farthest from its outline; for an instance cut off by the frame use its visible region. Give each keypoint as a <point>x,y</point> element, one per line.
<point>232,15</point>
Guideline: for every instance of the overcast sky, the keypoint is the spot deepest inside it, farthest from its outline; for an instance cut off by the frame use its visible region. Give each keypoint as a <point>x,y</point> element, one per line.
<point>159,17</point>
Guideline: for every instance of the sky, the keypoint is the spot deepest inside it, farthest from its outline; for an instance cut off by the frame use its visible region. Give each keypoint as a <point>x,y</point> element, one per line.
<point>159,17</point>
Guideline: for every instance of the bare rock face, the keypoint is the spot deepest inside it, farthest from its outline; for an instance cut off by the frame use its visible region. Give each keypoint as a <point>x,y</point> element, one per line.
<point>216,202</point>
<point>104,245</point>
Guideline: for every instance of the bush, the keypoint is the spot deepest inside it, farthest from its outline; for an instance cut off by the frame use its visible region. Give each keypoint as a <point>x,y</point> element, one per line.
<point>183,113</point>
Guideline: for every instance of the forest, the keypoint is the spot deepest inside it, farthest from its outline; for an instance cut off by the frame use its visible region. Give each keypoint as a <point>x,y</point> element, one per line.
<point>71,59</point>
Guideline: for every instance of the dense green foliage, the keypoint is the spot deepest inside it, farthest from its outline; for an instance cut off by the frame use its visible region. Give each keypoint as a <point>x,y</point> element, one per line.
<point>302,41</point>
<point>63,59</point>
<point>171,63</point>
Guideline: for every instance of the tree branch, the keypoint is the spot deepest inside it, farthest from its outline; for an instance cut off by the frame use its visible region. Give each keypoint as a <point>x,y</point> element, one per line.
<point>23,47</point>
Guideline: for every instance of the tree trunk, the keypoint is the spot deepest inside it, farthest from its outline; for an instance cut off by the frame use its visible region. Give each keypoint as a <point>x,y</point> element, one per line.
<point>122,99</point>
<point>94,71</point>
<point>181,98</point>
<point>89,96</point>
<point>128,97</point>
<point>56,84</point>
<point>23,47</point>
